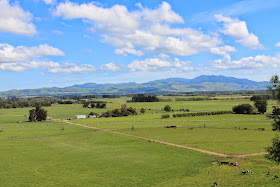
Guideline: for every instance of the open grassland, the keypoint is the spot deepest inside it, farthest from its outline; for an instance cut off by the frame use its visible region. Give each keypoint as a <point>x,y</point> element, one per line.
<point>154,121</point>
<point>37,129</point>
<point>95,159</point>
<point>228,141</point>
<point>232,176</point>
<point>60,154</point>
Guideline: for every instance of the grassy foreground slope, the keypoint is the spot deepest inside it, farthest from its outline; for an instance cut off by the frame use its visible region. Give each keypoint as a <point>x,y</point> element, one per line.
<point>95,159</point>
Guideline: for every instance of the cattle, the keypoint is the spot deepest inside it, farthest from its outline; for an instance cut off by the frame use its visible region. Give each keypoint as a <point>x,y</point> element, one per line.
<point>244,172</point>
<point>215,184</point>
<point>268,173</point>
<point>172,126</point>
<point>249,171</point>
<point>276,177</point>
<point>224,163</point>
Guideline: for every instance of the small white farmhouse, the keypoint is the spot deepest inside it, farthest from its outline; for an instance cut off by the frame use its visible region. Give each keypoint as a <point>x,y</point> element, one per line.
<point>80,116</point>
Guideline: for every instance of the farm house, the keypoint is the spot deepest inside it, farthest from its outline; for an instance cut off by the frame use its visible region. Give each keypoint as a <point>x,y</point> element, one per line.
<point>80,116</point>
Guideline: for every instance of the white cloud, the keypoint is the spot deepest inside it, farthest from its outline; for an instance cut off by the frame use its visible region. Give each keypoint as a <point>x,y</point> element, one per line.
<point>162,62</point>
<point>238,30</point>
<point>9,53</point>
<point>125,51</point>
<point>144,30</point>
<point>257,62</point>
<point>51,2</point>
<point>110,67</point>
<point>14,19</point>
<point>52,67</point>
<point>70,68</point>
<point>277,45</point>
<point>222,50</point>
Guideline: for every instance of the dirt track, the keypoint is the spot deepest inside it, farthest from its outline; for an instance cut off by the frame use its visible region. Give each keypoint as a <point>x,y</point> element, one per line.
<point>167,143</point>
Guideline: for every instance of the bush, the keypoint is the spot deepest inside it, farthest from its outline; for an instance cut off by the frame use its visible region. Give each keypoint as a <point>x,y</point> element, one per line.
<point>243,109</point>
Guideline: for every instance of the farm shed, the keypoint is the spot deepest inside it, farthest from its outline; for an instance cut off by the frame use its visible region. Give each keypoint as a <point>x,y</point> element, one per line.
<point>80,116</point>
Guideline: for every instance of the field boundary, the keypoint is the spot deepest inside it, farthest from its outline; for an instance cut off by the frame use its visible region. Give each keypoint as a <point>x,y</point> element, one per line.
<point>168,143</point>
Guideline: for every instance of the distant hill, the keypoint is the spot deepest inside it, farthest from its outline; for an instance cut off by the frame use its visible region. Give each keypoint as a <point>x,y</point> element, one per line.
<point>170,85</point>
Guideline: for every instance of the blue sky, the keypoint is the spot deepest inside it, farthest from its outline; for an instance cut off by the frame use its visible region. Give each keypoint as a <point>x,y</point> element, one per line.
<point>47,43</point>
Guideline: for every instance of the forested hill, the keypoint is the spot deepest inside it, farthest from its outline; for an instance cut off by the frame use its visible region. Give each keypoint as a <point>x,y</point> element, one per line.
<point>170,85</point>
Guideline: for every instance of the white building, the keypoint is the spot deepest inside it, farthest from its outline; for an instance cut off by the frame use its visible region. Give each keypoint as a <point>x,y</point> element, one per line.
<point>80,116</point>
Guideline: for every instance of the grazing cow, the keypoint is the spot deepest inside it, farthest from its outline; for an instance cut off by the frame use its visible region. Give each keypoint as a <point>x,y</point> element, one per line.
<point>224,163</point>
<point>276,177</point>
<point>249,171</point>
<point>215,184</point>
<point>244,172</point>
<point>268,173</point>
<point>236,163</point>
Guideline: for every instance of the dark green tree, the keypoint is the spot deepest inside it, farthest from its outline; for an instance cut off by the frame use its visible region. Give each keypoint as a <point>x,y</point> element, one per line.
<point>32,115</point>
<point>261,105</point>
<point>85,105</point>
<point>274,150</point>
<point>92,105</point>
<point>167,108</point>
<point>243,109</point>
<point>41,114</point>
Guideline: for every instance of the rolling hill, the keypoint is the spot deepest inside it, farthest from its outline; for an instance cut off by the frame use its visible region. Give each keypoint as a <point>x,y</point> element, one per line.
<point>169,85</point>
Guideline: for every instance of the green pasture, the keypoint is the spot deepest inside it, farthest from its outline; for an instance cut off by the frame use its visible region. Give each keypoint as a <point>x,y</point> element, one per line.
<point>96,159</point>
<point>228,141</point>
<point>232,176</point>
<point>83,157</point>
<point>154,121</point>
<point>35,129</point>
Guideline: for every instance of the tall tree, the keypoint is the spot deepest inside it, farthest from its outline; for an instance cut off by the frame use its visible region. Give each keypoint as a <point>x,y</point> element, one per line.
<point>274,150</point>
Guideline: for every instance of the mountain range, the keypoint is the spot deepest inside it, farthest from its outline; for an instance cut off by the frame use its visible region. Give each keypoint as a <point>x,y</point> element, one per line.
<point>169,85</point>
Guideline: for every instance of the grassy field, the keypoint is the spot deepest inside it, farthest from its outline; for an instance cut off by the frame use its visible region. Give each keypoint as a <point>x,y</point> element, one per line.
<point>96,159</point>
<point>54,153</point>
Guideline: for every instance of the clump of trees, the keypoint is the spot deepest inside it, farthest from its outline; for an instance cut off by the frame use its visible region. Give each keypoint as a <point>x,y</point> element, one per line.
<point>144,98</point>
<point>16,102</point>
<point>261,105</point>
<point>261,97</point>
<point>94,104</point>
<point>118,112</point>
<point>201,114</point>
<point>243,109</point>
<point>38,114</point>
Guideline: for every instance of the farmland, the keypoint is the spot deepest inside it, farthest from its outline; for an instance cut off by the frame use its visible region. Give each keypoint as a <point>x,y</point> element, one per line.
<point>55,153</point>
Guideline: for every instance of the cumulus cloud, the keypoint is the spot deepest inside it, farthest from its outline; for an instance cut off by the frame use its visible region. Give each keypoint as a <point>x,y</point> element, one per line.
<point>52,67</point>
<point>110,67</point>
<point>70,68</point>
<point>14,19</point>
<point>144,30</point>
<point>163,62</point>
<point>259,61</point>
<point>9,53</point>
<point>222,50</point>
<point>238,30</point>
